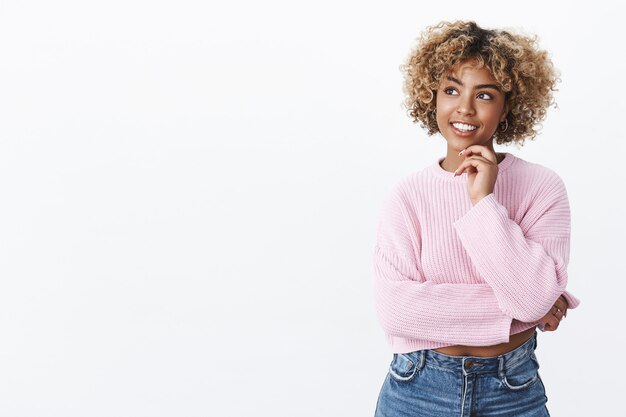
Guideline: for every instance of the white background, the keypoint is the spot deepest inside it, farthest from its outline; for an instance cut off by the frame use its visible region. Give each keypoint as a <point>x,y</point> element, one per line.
<point>189,194</point>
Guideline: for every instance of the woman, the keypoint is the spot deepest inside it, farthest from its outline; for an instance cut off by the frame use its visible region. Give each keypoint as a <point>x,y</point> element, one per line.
<point>472,251</point>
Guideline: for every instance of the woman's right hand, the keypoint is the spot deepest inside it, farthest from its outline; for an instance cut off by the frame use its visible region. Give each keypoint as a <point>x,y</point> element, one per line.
<point>550,322</point>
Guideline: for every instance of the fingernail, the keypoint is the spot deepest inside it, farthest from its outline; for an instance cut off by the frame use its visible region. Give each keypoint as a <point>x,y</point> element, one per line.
<point>461,153</point>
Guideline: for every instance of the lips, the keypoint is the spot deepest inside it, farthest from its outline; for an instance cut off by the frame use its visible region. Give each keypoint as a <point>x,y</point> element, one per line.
<point>465,125</point>
<point>463,128</point>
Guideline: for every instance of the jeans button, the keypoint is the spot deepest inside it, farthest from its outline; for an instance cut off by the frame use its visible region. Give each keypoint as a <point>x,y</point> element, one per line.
<point>468,364</point>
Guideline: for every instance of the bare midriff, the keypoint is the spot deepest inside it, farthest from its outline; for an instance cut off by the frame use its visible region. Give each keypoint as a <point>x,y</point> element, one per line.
<point>515,341</point>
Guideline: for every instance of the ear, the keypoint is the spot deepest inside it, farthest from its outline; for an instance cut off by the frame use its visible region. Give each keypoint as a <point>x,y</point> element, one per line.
<point>505,112</point>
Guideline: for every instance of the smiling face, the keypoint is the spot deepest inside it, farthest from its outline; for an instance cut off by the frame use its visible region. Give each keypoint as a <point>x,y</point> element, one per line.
<point>470,105</point>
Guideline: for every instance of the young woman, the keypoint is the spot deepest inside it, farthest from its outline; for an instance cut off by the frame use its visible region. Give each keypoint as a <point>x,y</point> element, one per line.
<point>471,252</point>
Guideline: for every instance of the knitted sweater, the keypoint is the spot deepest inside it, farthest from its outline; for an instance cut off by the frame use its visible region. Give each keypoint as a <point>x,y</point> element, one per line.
<point>447,272</point>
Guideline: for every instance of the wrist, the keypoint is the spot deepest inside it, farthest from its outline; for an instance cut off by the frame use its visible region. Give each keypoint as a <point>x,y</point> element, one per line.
<point>476,200</point>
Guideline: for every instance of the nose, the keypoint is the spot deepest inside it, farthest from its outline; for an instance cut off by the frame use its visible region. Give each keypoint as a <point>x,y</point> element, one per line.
<point>465,106</point>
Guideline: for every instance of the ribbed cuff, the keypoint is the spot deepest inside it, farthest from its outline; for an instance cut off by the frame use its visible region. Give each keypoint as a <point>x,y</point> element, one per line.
<point>572,301</point>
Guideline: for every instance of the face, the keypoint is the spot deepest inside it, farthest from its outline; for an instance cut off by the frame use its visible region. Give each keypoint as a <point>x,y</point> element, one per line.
<point>470,105</point>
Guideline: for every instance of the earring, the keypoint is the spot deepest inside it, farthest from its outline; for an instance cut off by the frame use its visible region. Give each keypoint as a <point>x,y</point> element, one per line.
<point>506,125</point>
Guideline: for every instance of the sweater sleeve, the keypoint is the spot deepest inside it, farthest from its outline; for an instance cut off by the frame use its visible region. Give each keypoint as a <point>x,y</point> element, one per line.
<point>409,306</point>
<point>526,263</point>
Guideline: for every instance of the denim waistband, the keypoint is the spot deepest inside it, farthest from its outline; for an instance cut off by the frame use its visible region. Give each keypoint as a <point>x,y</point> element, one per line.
<point>477,364</point>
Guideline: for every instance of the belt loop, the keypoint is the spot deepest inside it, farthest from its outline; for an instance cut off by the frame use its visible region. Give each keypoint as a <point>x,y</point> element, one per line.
<point>501,366</point>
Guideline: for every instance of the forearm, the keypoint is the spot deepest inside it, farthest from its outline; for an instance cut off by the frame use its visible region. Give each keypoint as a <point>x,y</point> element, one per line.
<point>467,314</point>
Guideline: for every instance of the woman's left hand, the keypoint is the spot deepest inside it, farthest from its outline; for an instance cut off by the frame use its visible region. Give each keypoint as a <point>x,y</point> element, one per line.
<point>481,165</point>
<point>550,322</point>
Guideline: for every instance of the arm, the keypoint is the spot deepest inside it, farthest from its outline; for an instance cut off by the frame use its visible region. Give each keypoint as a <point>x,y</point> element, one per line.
<point>525,264</point>
<point>409,306</point>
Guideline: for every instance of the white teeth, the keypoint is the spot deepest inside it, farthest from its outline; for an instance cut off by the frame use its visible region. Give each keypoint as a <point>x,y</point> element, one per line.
<point>464,127</point>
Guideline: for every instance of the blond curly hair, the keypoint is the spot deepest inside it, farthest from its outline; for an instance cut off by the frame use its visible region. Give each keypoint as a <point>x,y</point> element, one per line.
<point>524,73</point>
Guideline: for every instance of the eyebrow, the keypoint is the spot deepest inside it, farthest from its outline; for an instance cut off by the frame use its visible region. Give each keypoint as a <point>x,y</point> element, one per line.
<point>495,87</point>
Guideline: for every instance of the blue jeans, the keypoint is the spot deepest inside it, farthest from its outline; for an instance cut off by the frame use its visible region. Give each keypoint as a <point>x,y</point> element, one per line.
<point>430,384</point>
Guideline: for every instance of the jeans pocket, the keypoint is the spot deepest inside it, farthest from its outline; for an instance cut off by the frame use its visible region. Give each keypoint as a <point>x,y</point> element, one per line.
<point>404,366</point>
<point>523,375</point>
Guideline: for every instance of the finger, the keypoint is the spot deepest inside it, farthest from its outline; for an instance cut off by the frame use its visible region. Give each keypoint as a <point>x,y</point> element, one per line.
<point>561,303</point>
<point>553,323</point>
<point>471,164</point>
<point>562,306</point>
<point>557,312</point>
<point>558,315</point>
<point>480,150</point>
<point>475,158</point>
<point>566,303</point>
<point>479,158</point>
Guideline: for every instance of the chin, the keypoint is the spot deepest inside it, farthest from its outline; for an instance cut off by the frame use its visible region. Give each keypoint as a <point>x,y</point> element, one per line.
<point>462,143</point>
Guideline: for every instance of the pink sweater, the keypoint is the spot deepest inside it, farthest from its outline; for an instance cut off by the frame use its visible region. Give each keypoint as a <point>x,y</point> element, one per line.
<point>450,273</point>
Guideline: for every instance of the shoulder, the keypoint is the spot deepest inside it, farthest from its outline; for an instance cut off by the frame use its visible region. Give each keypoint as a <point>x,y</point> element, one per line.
<point>408,190</point>
<point>540,189</point>
<point>536,176</point>
<point>399,225</point>
<point>406,196</point>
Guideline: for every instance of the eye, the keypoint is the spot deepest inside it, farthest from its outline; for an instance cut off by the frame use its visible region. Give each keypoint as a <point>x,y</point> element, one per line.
<point>450,91</point>
<point>485,96</point>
